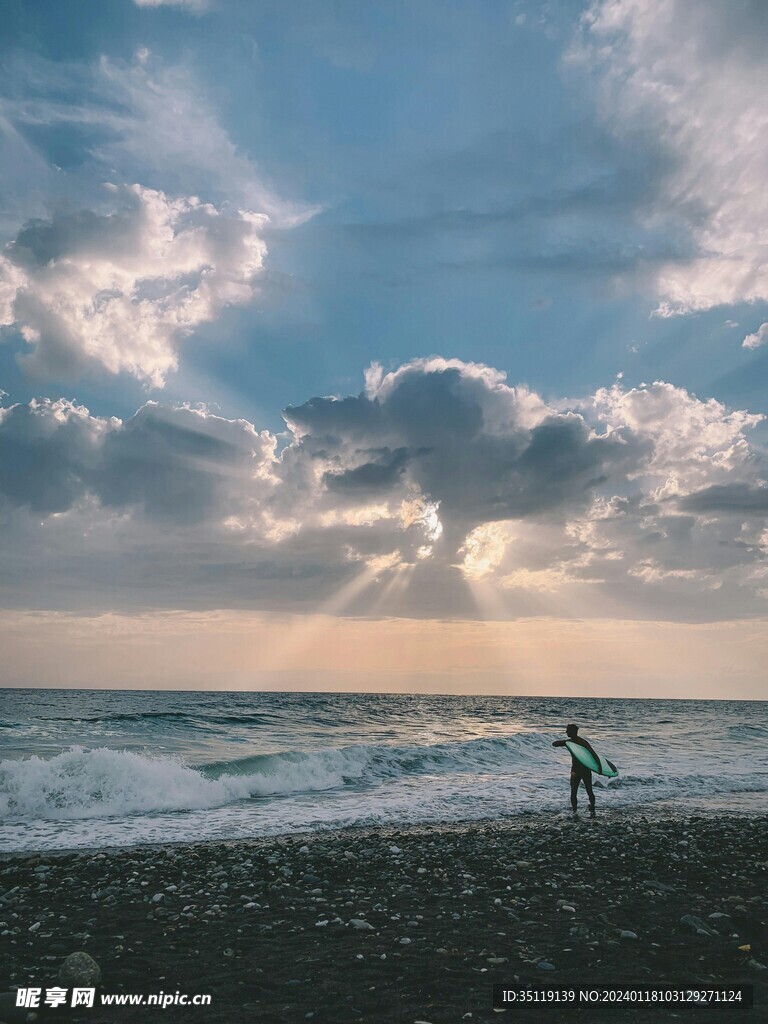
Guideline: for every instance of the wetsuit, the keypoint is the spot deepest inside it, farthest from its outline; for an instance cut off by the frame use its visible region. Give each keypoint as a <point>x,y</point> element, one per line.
<point>579,774</point>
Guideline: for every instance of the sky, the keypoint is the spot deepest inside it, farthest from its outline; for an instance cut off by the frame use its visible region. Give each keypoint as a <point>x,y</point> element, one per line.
<point>385,346</point>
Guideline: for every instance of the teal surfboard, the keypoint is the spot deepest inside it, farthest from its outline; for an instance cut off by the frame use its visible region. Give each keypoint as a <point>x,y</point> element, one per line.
<point>601,766</point>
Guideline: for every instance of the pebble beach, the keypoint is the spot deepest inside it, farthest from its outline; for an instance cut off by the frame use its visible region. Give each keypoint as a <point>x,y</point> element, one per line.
<point>400,925</point>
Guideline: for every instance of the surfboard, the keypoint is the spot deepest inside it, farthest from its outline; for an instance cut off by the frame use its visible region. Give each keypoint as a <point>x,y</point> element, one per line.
<point>601,766</point>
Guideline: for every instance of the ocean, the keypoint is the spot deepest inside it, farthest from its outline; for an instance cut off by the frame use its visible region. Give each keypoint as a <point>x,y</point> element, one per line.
<point>96,768</point>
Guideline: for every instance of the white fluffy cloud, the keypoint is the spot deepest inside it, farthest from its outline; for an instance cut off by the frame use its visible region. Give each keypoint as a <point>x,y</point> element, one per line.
<point>694,443</point>
<point>760,337</point>
<point>696,83</point>
<point>122,290</point>
<point>439,479</point>
<point>118,284</point>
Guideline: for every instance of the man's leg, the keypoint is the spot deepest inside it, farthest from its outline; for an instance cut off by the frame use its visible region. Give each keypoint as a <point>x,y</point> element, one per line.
<point>590,793</point>
<point>574,788</point>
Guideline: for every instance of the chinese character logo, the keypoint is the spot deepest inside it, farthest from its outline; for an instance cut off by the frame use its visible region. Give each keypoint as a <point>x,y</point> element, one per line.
<point>55,996</point>
<point>29,998</point>
<point>82,996</point>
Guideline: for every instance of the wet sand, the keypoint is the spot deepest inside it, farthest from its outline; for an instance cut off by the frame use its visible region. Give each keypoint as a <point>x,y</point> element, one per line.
<point>402,925</point>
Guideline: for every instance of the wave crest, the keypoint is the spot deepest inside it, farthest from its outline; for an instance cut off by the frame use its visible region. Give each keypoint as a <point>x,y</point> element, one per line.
<point>103,782</point>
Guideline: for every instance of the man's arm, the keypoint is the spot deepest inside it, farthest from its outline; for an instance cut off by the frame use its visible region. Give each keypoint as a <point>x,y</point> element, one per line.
<point>559,743</point>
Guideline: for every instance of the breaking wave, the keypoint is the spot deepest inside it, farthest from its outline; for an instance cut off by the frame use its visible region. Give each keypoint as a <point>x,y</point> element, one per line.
<point>81,783</point>
<point>102,782</point>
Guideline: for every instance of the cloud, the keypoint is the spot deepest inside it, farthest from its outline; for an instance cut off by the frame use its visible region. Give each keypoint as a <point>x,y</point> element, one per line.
<point>192,5</point>
<point>693,441</point>
<point>760,337</point>
<point>122,290</point>
<point>436,486</point>
<point>177,465</point>
<point>115,278</point>
<point>145,120</point>
<point>697,87</point>
<point>458,433</point>
<point>740,499</point>
<point>45,448</point>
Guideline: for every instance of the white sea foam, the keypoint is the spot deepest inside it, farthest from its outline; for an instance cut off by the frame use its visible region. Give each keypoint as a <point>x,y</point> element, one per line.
<point>101,782</point>
<point>81,784</point>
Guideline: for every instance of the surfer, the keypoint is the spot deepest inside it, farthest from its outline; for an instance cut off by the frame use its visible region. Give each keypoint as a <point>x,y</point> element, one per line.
<point>579,772</point>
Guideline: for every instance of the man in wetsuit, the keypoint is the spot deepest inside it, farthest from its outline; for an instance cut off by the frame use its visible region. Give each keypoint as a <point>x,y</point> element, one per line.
<point>579,773</point>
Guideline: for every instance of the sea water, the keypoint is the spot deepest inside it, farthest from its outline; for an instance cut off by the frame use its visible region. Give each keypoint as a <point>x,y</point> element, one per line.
<point>93,768</point>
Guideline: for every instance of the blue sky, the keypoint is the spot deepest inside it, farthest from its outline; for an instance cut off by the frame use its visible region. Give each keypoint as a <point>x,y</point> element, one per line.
<point>226,209</point>
<point>471,200</point>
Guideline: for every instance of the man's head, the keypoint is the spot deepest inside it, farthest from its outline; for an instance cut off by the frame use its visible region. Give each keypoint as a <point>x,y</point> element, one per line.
<point>572,731</point>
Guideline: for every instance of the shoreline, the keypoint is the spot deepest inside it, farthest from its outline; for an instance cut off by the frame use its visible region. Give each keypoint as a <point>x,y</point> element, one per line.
<point>388,924</point>
<point>663,810</point>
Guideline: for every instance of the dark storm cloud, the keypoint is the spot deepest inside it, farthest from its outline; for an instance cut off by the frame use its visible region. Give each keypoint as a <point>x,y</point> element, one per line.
<point>371,477</point>
<point>439,468</point>
<point>46,455</point>
<point>441,417</point>
<point>168,463</point>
